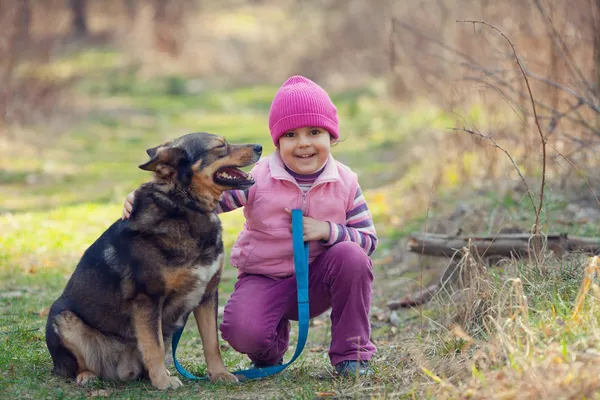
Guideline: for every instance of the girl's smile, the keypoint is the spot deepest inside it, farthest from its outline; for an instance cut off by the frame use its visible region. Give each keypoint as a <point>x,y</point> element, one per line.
<point>305,150</point>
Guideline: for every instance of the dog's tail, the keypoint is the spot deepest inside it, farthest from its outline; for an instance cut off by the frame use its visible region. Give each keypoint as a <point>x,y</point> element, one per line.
<point>65,363</point>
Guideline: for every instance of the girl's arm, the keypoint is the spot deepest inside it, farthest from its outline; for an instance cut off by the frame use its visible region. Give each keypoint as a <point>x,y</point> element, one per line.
<point>359,227</point>
<point>232,199</point>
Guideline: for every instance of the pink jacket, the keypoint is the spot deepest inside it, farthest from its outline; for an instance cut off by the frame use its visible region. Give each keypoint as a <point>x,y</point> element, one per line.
<point>265,245</point>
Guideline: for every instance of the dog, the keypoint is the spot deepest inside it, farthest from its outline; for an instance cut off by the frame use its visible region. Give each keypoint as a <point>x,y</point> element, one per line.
<point>141,279</point>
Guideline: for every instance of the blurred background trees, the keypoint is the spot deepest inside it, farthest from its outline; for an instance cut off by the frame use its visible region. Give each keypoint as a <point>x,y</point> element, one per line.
<point>341,40</point>
<point>414,50</point>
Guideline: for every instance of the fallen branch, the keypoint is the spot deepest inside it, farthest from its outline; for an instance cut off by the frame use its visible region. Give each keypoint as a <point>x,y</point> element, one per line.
<point>417,298</point>
<point>504,245</point>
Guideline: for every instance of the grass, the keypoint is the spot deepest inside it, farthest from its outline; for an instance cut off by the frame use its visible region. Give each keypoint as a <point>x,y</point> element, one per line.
<point>520,333</point>
<point>511,330</point>
<point>58,197</point>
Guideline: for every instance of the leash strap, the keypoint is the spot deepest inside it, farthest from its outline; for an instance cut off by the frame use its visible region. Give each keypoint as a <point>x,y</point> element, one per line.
<point>301,266</point>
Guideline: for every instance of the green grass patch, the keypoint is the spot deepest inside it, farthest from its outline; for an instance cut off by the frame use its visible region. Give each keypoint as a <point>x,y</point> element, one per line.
<point>56,201</point>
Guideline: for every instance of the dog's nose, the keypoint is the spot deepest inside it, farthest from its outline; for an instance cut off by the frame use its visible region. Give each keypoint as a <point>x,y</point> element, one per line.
<point>258,149</point>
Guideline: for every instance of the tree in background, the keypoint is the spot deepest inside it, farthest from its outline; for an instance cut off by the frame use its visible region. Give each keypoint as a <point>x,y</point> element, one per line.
<point>79,18</point>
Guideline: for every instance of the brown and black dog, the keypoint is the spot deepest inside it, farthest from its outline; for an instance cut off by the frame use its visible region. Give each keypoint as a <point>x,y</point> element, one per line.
<point>138,282</point>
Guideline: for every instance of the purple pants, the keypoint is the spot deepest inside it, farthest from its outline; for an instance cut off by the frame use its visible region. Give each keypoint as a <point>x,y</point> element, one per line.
<point>257,315</point>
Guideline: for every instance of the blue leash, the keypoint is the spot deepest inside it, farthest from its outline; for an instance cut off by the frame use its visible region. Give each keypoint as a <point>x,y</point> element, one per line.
<point>301,265</point>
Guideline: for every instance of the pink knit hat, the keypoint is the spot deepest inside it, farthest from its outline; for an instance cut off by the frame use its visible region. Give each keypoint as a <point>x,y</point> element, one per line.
<point>300,102</point>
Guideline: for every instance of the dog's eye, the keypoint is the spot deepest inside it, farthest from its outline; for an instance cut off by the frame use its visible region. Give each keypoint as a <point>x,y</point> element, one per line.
<point>221,146</point>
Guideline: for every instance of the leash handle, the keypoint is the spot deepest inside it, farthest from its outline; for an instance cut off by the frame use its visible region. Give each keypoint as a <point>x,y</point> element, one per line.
<point>301,266</point>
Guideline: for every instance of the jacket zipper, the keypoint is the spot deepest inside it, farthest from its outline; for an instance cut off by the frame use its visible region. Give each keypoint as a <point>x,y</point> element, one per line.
<point>304,204</point>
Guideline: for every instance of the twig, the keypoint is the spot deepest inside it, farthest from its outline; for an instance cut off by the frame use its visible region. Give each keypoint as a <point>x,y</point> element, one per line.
<point>578,170</point>
<point>565,89</point>
<point>491,139</point>
<point>465,60</point>
<point>421,259</point>
<point>581,121</point>
<point>537,124</point>
<point>510,216</point>
<point>561,45</point>
<point>557,117</point>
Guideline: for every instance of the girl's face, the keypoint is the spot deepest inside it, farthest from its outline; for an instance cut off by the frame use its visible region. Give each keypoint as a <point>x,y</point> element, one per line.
<point>305,150</point>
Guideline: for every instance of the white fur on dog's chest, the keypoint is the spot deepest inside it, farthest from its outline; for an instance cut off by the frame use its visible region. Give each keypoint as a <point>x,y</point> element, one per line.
<point>204,273</point>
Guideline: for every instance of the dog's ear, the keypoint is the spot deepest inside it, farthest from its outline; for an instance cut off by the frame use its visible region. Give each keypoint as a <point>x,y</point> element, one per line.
<point>164,160</point>
<point>152,151</point>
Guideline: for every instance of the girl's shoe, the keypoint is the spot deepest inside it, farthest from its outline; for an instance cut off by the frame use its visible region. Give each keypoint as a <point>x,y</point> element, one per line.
<point>263,365</point>
<point>351,368</point>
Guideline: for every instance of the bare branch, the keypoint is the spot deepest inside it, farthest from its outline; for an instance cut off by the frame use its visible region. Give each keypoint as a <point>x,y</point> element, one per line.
<point>559,42</point>
<point>565,89</point>
<point>578,121</point>
<point>429,38</point>
<point>496,75</point>
<point>557,117</point>
<point>510,157</point>
<point>578,170</point>
<point>537,123</point>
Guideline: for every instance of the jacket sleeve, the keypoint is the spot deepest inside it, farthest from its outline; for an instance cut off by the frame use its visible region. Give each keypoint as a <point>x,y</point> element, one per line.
<point>359,226</point>
<point>231,200</point>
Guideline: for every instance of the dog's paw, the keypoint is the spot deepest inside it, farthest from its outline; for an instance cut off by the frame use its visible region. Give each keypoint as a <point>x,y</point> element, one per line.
<point>68,316</point>
<point>165,382</point>
<point>85,377</point>
<point>223,376</point>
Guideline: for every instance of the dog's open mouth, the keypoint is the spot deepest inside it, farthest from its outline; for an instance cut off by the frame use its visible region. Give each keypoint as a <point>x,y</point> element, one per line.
<point>231,176</point>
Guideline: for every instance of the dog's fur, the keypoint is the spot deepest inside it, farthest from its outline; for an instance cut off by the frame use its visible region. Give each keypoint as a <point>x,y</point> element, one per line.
<point>138,282</point>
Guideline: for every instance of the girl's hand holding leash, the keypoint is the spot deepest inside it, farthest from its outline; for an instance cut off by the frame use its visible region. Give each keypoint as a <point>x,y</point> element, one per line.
<point>314,229</point>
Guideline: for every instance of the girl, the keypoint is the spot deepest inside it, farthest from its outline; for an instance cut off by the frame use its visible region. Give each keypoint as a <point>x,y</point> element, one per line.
<point>301,173</point>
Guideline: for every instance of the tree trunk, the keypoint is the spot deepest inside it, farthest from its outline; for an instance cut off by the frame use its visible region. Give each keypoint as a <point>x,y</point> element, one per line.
<point>79,21</point>
<point>168,26</point>
<point>23,21</point>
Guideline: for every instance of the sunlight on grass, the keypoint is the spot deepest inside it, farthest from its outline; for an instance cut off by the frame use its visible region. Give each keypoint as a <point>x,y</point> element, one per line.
<point>510,323</point>
<point>52,240</point>
<point>77,64</point>
<point>56,239</point>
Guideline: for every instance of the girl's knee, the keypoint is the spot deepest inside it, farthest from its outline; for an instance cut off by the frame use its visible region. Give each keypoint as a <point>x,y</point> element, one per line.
<point>247,338</point>
<point>351,257</point>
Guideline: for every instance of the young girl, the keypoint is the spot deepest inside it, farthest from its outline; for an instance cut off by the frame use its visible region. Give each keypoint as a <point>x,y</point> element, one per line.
<point>301,173</point>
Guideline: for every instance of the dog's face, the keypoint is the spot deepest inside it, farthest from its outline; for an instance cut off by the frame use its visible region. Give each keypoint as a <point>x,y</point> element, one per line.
<point>203,162</point>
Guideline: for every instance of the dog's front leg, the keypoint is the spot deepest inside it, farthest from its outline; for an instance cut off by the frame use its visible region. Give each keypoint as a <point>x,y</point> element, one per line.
<point>147,321</point>
<point>206,319</point>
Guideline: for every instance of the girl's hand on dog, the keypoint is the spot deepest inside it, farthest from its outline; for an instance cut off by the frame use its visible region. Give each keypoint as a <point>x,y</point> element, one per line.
<point>314,229</point>
<point>128,205</point>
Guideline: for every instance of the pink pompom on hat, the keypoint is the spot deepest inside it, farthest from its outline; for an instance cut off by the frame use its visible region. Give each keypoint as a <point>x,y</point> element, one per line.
<point>300,102</point>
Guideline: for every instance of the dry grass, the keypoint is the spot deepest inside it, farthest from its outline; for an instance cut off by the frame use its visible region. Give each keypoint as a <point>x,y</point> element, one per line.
<point>525,333</point>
